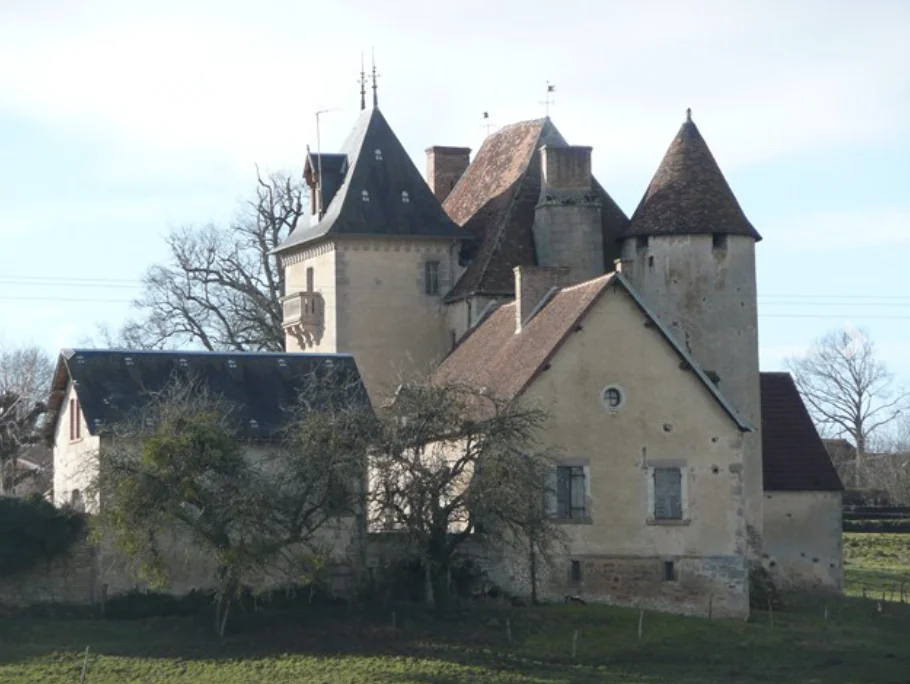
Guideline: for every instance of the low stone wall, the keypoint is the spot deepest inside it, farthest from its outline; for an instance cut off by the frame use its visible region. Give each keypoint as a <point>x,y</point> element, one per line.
<point>69,579</point>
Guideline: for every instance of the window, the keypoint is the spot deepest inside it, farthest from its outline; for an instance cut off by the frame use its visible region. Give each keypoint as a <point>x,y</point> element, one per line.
<point>431,277</point>
<point>613,397</point>
<point>668,499</point>
<point>669,571</point>
<point>75,420</point>
<point>641,242</point>
<point>719,241</point>
<point>310,278</point>
<point>575,572</point>
<point>570,492</point>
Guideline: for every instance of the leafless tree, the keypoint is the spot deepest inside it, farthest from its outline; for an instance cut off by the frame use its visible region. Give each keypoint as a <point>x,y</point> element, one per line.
<point>222,287</point>
<point>453,463</point>
<point>848,391</point>
<point>25,377</point>
<point>185,465</point>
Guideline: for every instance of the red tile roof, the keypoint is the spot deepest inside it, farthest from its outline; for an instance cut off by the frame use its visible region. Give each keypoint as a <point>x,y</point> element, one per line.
<point>793,455</point>
<point>495,199</point>
<point>492,355</point>
<point>689,194</point>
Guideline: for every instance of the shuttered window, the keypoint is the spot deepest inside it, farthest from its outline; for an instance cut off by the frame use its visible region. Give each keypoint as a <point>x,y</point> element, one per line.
<point>668,494</point>
<point>570,492</point>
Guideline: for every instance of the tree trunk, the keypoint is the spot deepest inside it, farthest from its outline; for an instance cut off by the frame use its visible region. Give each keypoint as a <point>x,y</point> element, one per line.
<point>439,586</point>
<point>532,558</point>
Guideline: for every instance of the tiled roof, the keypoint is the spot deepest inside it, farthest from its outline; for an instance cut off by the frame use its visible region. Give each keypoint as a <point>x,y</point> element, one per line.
<point>793,455</point>
<point>492,355</point>
<point>494,201</point>
<point>260,386</point>
<point>379,166</point>
<point>689,195</point>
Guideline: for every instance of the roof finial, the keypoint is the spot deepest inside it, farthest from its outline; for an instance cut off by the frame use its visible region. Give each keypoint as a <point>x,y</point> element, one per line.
<point>363,85</point>
<point>689,115</point>
<point>375,76</point>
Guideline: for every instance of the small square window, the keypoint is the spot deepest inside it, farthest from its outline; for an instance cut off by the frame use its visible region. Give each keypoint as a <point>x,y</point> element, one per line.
<point>669,571</point>
<point>641,242</point>
<point>719,241</point>
<point>575,572</point>
<point>431,278</point>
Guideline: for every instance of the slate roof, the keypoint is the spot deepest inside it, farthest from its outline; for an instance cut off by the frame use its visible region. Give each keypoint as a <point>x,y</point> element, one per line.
<point>492,355</point>
<point>494,201</point>
<point>384,178</point>
<point>110,384</point>
<point>689,195</point>
<point>794,457</point>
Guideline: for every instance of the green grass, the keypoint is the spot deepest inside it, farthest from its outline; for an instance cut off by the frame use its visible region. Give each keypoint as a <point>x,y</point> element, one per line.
<point>876,563</point>
<point>857,643</point>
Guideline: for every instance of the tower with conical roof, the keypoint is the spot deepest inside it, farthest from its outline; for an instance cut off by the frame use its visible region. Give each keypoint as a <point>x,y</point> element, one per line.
<point>690,251</point>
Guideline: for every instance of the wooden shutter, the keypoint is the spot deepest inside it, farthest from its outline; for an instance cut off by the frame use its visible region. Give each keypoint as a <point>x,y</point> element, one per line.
<point>668,493</point>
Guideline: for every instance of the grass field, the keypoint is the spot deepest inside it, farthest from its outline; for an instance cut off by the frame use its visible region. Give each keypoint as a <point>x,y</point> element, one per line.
<point>856,644</point>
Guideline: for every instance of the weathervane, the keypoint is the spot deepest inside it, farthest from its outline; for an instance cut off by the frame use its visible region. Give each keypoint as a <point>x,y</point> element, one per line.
<point>547,102</point>
<point>363,85</point>
<point>487,123</point>
<point>375,76</point>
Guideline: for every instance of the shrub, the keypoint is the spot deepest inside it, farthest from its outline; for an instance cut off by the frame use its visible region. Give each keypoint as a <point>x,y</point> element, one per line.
<point>893,526</point>
<point>33,530</point>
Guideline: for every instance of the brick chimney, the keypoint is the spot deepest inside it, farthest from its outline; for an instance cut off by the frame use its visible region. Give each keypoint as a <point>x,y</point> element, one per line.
<point>532,283</point>
<point>445,165</point>
<point>568,228</point>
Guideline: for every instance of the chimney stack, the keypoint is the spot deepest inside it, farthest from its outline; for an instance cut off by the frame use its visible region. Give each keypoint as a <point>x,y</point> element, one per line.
<point>445,165</point>
<point>532,283</point>
<point>568,223</point>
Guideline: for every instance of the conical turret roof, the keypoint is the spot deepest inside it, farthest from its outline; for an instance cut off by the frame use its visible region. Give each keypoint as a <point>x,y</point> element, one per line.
<point>689,195</point>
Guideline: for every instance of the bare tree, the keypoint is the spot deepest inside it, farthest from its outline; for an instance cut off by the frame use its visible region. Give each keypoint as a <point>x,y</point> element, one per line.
<point>453,463</point>
<point>222,287</point>
<point>25,378</point>
<point>849,392</point>
<point>183,464</point>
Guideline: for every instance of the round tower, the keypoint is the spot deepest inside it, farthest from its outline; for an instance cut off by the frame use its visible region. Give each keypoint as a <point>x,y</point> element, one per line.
<point>689,250</point>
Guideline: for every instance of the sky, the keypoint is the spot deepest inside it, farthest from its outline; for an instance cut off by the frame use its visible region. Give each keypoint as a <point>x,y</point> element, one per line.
<point>122,121</point>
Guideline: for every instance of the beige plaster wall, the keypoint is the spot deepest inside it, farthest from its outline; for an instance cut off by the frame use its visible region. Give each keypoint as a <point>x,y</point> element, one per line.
<point>804,540</point>
<point>668,418</point>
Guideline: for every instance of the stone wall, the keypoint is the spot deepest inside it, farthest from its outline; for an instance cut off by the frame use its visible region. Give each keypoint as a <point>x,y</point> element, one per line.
<point>803,542</point>
<point>70,579</point>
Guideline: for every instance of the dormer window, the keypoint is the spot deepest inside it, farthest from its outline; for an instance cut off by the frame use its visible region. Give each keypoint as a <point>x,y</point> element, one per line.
<point>365,195</point>
<point>405,197</point>
<point>231,363</point>
<point>377,153</point>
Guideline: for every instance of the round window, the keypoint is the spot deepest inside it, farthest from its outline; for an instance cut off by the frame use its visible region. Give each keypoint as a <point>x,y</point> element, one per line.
<point>613,397</point>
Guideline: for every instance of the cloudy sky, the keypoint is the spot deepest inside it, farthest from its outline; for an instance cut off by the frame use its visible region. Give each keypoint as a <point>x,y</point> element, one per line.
<point>120,121</point>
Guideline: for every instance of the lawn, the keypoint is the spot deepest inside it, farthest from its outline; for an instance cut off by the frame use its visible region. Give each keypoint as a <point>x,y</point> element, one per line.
<point>857,643</point>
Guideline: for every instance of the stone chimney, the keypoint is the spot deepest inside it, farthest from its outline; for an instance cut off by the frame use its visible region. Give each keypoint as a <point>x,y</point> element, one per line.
<point>567,220</point>
<point>532,283</point>
<point>445,165</point>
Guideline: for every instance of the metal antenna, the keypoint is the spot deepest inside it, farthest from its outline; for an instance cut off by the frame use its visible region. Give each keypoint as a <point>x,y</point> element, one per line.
<point>363,85</point>
<point>319,200</point>
<point>375,76</point>
<point>547,102</point>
